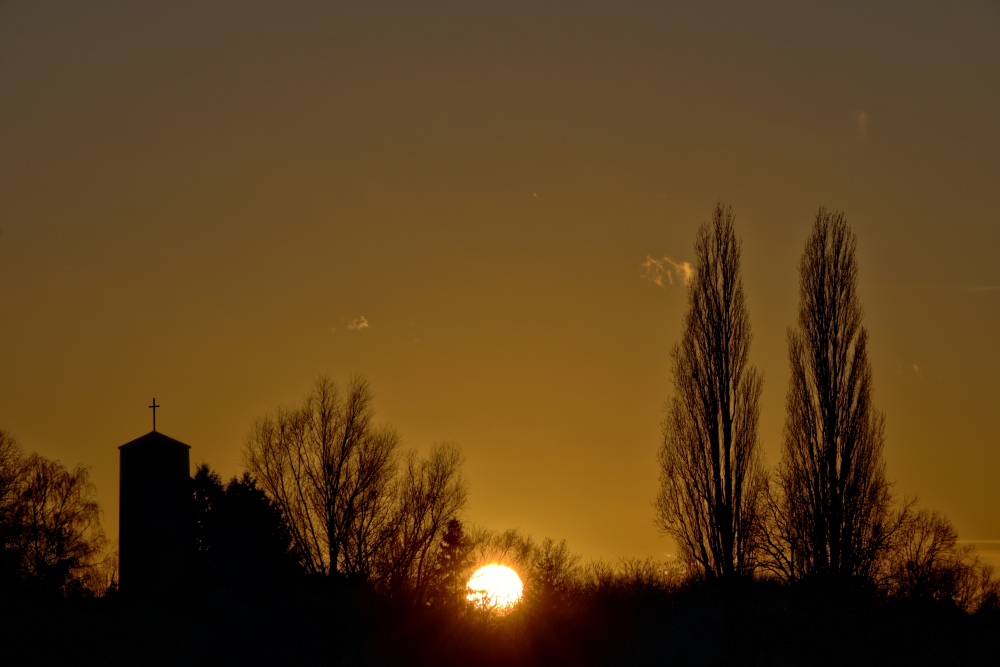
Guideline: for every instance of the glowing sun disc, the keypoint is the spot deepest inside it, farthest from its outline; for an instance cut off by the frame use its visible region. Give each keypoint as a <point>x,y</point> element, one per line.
<point>495,587</point>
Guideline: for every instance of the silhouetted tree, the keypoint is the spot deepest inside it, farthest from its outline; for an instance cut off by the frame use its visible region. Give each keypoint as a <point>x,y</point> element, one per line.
<point>831,508</point>
<point>102,578</point>
<point>555,571</point>
<point>256,532</point>
<point>240,537</point>
<point>453,565</point>
<point>928,563</point>
<point>12,466</point>
<point>50,531</point>
<point>429,495</point>
<point>330,470</point>
<point>710,474</point>
<point>209,523</point>
<point>60,529</point>
<point>335,477</point>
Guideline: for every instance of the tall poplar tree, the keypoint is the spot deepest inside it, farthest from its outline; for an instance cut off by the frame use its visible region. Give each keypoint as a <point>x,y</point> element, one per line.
<point>710,475</point>
<point>833,506</point>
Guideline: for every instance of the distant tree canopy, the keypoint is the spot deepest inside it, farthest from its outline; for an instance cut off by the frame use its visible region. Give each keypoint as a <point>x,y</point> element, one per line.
<point>50,529</point>
<point>352,506</point>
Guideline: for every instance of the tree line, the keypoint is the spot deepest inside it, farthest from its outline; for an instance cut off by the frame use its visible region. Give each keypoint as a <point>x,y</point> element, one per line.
<point>827,511</point>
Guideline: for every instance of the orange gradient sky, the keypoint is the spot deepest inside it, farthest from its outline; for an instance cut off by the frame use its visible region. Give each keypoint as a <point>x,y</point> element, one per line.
<point>198,199</point>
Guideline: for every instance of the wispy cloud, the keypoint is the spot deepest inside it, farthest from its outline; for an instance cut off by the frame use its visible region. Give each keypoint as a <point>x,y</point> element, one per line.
<point>861,118</point>
<point>984,288</point>
<point>661,272</point>
<point>358,323</point>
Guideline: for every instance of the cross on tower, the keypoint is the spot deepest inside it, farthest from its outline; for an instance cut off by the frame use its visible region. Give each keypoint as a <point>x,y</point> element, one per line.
<point>154,406</point>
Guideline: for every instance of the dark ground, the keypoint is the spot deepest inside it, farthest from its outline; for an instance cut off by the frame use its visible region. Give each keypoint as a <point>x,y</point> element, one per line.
<point>746,624</point>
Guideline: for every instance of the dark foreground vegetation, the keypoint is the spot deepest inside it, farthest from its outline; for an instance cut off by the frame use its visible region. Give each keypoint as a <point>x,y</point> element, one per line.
<point>737,623</point>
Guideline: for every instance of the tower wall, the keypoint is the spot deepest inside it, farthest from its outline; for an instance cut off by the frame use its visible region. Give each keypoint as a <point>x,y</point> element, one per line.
<point>155,515</point>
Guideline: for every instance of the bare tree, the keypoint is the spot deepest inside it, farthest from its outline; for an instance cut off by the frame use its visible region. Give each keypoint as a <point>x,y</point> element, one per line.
<point>510,548</point>
<point>336,478</point>
<point>929,563</point>
<point>101,579</point>
<point>329,469</point>
<point>50,524</point>
<point>61,529</point>
<point>430,494</point>
<point>12,468</point>
<point>710,475</point>
<point>831,510</point>
<point>555,573</point>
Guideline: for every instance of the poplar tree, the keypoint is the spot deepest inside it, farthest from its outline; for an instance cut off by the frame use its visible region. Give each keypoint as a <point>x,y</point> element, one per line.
<point>710,474</point>
<point>832,514</point>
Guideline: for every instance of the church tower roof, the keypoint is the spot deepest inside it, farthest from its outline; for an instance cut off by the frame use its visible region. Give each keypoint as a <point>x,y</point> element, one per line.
<point>154,439</point>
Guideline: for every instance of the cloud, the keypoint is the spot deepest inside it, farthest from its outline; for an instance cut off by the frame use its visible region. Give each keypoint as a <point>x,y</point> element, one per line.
<point>861,118</point>
<point>985,288</point>
<point>358,323</point>
<point>654,270</point>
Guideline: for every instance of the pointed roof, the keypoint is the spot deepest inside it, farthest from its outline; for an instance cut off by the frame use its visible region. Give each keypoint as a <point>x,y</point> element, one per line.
<point>154,439</point>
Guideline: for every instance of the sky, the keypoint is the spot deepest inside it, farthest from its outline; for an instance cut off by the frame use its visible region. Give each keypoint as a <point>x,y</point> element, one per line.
<point>214,203</point>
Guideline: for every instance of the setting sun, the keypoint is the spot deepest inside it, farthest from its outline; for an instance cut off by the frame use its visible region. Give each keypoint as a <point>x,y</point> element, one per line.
<point>495,587</point>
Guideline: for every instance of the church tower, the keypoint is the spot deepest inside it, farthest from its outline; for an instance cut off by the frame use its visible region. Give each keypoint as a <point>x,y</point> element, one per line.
<point>155,514</point>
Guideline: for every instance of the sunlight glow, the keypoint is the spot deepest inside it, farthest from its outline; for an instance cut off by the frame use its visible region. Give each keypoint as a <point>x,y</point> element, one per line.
<point>495,587</point>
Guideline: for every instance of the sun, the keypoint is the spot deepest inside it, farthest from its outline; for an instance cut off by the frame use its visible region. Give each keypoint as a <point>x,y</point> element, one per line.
<point>495,587</point>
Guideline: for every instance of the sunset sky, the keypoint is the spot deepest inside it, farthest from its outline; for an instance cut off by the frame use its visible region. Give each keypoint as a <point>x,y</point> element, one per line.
<point>213,203</point>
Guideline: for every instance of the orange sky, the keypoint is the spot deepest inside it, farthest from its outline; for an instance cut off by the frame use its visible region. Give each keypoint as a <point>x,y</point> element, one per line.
<point>198,199</point>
